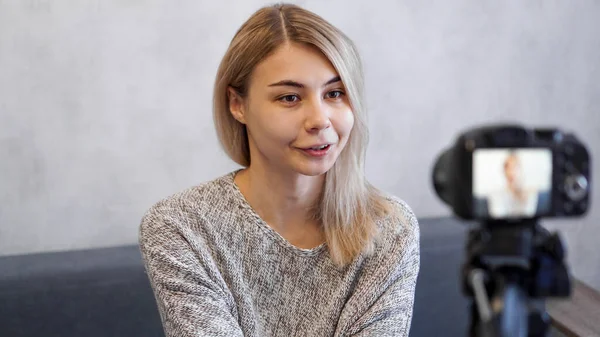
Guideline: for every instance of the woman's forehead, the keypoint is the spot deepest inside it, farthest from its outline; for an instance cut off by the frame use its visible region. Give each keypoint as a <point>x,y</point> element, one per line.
<point>299,63</point>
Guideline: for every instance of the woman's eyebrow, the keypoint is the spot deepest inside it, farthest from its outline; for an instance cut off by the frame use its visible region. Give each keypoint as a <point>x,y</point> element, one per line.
<point>290,83</point>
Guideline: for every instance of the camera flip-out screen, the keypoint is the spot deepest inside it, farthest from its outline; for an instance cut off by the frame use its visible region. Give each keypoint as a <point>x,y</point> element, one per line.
<point>511,183</point>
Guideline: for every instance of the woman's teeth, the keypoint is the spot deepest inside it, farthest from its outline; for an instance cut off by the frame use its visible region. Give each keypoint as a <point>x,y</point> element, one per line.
<point>319,147</point>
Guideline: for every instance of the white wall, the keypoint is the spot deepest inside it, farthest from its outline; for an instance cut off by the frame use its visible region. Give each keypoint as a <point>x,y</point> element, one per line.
<point>105,105</point>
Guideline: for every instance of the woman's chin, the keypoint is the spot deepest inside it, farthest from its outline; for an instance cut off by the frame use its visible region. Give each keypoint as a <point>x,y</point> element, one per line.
<point>313,170</point>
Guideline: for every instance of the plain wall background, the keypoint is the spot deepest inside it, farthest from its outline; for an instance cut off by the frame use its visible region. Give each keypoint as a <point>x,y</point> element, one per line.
<point>105,106</point>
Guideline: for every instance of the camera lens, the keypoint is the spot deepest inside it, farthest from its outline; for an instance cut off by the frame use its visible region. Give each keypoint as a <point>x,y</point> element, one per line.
<point>576,187</point>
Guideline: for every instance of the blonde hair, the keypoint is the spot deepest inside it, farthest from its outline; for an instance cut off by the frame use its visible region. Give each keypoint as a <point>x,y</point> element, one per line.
<point>349,207</point>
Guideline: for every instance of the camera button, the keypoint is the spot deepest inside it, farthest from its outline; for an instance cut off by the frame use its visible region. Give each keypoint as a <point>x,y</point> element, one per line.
<point>569,150</point>
<point>582,206</point>
<point>576,187</point>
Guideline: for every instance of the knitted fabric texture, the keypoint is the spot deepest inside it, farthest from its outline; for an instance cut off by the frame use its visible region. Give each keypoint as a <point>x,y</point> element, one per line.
<point>217,269</point>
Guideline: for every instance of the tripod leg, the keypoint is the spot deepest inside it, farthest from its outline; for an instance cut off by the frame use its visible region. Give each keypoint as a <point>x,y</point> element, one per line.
<point>539,320</point>
<point>514,317</point>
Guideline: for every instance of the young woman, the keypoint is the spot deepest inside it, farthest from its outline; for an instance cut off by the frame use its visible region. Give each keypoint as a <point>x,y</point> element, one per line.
<point>295,243</point>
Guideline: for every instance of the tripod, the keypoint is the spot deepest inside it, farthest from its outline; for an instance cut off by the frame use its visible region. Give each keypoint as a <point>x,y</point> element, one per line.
<point>510,269</point>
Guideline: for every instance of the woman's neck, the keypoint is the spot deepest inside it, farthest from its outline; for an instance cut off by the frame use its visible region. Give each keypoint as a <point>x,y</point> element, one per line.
<point>283,200</point>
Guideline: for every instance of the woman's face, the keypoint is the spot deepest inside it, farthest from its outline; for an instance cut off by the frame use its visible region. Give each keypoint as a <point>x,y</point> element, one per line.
<point>296,112</point>
<point>511,169</point>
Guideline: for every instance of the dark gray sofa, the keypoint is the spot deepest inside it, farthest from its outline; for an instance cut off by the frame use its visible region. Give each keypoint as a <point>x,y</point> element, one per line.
<point>105,292</point>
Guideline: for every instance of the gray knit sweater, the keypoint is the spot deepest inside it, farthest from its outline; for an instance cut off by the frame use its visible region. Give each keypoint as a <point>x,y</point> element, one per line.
<point>217,269</point>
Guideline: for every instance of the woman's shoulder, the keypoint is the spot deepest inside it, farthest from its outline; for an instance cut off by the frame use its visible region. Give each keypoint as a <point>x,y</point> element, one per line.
<point>401,221</point>
<point>398,241</point>
<point>398,249</point>
<point>200,200</point>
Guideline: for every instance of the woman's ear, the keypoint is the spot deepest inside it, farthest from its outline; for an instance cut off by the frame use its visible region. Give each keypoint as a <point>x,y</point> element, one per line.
<point>236,105</point>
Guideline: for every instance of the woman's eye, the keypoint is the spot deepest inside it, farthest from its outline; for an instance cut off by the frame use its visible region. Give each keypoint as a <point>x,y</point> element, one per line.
<point>289,98</point>
<point>335,94</point>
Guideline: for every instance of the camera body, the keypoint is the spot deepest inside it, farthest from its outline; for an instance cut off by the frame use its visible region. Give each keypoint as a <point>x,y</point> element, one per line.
<point>509,172</point>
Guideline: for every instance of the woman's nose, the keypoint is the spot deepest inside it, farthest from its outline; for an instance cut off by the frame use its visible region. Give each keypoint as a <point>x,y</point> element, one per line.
<point>317,118</point>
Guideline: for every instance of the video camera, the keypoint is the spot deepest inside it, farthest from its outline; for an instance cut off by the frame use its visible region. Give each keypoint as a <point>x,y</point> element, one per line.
<point>545,171</point>
<point>506,177</point>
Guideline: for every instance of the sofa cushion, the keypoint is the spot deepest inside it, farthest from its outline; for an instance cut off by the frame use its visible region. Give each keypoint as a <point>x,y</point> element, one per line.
<point>440,307</point>
<point>105,292</point>
<point>99,292</point>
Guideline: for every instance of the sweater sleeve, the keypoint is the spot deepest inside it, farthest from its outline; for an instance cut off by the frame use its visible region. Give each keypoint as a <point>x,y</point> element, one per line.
<point>190,302</point>
<point>390,313</point>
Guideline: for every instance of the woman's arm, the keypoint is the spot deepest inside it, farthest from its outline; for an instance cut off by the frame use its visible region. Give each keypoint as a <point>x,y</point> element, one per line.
<point>391,314</point>
<point>383,302</point>
<point>190,303</point>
